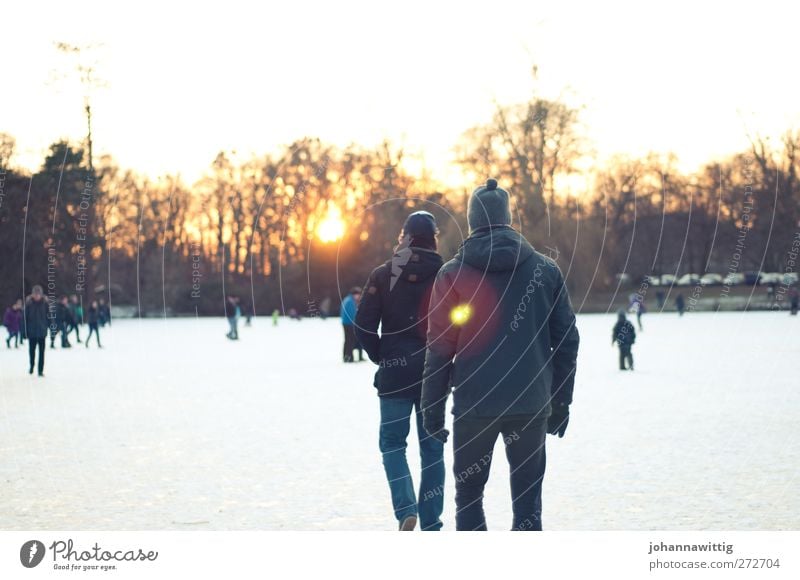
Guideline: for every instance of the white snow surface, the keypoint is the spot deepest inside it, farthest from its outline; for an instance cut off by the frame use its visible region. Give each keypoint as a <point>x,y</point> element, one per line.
<point>172,426</point>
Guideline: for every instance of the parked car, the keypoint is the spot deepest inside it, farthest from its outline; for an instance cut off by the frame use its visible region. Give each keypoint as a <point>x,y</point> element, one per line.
<point>752,278</point>
<point>789,278</point>
<point>623,278</point>
<point>667,279</point>
<point>688,280</point>
<point>770,278</point>
<point>651,280</point>
<point>734,279</point>
<point>710,279</point>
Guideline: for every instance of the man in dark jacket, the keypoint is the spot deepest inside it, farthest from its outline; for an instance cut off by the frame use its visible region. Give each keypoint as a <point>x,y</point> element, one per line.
<point>35,327</point>
<point>64,323</point>
<point>624,335</point>
<point>396,298</point>
<point>502,336</point>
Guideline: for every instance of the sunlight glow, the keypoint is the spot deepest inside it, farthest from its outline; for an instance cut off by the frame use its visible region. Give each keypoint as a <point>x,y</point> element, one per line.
<point>331,228</point>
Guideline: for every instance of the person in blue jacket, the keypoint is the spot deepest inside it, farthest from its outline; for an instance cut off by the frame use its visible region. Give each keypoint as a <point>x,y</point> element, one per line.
<point>348,315</point>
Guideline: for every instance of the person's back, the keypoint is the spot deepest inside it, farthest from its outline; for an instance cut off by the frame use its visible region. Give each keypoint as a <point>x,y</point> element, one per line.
<point>624,335</point>
<point>502,334</point>
<point>396,300</point>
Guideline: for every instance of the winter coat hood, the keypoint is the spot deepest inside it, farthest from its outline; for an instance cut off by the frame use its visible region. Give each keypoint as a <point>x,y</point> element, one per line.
<point>414,264</point>
<point>495,249</point>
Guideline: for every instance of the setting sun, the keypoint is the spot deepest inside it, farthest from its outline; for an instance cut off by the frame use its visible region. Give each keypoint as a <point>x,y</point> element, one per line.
<point>331,228</point>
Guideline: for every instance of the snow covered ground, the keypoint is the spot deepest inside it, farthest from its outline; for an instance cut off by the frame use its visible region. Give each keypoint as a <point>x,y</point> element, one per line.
<point>172,426</point>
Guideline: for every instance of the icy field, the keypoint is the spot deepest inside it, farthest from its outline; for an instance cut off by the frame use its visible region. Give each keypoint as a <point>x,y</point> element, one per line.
<point>172,426</point>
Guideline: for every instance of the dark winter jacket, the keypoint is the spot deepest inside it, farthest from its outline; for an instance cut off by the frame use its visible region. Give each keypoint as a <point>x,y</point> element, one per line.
<point>501,331</point>
<point>93,316</point>
<point>35,322</point>
<point>64,315</point>
<point>396,296</point>
<point>624,334</point>
<point>12,319</point>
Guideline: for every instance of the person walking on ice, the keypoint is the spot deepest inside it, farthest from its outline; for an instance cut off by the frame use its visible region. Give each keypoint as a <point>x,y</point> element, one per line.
<point>624,335</point>
<point>12,320</point>
<point>35,327</point>
<point>396,299</point>
<point>502,337</point>
<point>348,316</point>
<point>94,314</point>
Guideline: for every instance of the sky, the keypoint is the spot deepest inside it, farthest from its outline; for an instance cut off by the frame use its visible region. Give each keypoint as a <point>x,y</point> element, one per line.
<point>186,80</point>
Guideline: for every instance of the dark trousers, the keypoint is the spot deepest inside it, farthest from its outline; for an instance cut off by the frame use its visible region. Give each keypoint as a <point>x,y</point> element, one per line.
<point>625,355</point>
<point>351,343</point>
<point>93,328</point>
<point>32,344</point>
<point>15,336</point>
<point>473,444</point>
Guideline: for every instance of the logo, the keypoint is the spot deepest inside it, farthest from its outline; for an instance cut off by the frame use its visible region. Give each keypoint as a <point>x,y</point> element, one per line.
<point>31,553</point>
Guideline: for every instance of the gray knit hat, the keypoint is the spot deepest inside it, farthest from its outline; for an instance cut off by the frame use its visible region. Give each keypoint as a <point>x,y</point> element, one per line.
<point>488,206</point>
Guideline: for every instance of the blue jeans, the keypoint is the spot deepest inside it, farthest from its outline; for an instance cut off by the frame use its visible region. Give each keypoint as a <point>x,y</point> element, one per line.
<point>395,426</point>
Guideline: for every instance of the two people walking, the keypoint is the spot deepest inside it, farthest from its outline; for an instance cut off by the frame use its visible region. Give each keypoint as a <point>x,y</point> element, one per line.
<point>498,332</point>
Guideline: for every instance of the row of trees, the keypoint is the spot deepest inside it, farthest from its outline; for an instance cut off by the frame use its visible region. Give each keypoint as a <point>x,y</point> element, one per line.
<point>251,226</point>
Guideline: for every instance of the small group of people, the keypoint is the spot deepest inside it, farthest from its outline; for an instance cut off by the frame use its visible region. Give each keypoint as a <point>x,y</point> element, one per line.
<point>494,327</point>
<point>37,319</point>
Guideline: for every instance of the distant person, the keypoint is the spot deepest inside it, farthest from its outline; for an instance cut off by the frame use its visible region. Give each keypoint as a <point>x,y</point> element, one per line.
<point>661,299</point>
<point>624,335</point>
<point>77,315</point>
<point>637,307</point>
<point>64,323</point>
<point>231,308</point>
<point>348,316</point>
<point>94,323</point>
<point>396,300</point>
<point>12,320</point>
<point>794,301</point>
<point>680,304</point>
<point>502,339</point>
<point>294,314</point>
<point>35,327</point>
<point>325,308</point>
<point>104,313</point>
<point>275,315</point>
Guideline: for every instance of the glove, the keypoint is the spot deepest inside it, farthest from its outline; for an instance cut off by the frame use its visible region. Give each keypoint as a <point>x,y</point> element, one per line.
<point>558,420</point>
<point>436,430</point>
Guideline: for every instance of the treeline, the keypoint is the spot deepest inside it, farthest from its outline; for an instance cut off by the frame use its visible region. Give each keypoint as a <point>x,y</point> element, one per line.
<point>252,227</point>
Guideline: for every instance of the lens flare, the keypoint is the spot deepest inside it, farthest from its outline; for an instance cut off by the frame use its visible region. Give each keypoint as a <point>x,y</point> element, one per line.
<point>460,314</point>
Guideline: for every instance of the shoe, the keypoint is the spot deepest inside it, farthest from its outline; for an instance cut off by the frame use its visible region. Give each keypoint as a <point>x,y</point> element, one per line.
<point>408,524</point>
<point>41,374</point>
<point>30,371</point>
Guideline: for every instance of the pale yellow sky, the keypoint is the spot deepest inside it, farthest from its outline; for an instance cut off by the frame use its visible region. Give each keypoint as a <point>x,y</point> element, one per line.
<point>186,80</point>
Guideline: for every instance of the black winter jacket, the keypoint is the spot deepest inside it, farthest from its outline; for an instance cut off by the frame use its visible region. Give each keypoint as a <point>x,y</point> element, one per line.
<point>34,321</point>
<point>501,331</point>
<point>396,296</point>
<point>624,334</point>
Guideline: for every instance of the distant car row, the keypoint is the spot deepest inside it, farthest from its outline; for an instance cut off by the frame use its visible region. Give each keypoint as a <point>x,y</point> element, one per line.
<point>748,278</point>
